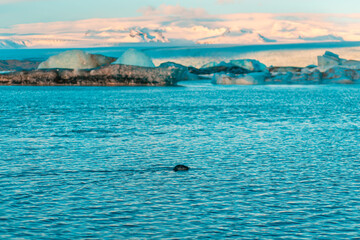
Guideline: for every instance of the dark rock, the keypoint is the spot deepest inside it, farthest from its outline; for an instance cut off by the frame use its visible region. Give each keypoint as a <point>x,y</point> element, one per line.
<point>280,77</point>
<point>315,76</point>
<point>181,168</point>
<point>18,65</point>
<point>285,69</point>
<point>338,74</point>
<point>218,69</point>
<point>112,75</point>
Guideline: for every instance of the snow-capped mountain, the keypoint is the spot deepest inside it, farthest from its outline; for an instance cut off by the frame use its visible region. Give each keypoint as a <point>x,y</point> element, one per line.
<point>146,35</point>
<point>250,28</point>
<point>244,36</point>
<point>7,43</point>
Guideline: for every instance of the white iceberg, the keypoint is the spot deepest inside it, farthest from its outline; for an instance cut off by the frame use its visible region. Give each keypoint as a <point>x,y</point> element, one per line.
<point>351,64</point>
<point>5,72</point>
<point>135,58</point>
<point>75,59</point>
<point>330,60</point>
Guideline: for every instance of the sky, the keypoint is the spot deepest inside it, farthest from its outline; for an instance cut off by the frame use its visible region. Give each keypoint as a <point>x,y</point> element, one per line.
<point>14,12</point>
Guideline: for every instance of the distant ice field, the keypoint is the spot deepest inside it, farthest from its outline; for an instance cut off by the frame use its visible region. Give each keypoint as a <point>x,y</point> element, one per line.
<point>299,54</point>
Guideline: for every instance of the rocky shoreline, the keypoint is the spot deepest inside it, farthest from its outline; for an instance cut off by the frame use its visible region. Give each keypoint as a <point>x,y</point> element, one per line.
<point>111,75</point>
<point>136,69</point>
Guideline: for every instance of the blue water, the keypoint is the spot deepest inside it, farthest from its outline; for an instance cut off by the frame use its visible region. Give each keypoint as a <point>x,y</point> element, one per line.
<point>267,162</point>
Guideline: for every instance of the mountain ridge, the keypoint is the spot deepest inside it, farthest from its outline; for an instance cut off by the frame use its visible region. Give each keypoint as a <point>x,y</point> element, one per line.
<point>237,29</point>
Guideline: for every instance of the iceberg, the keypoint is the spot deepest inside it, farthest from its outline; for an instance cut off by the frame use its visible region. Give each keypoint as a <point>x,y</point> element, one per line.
<point>135,58</point>
<point>329,60</point>
<point>5,72</point>
<point>75,59</point>
<point>251,65</point>
<point>216,64</point>
<point>186,75</point>
<point>351,64</point>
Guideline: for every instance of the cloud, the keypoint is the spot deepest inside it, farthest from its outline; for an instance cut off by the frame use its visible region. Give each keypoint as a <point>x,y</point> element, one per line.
<point>13,1</point>
<point>3,2</point>
<point>173,10</point>
<point>227,1</point>
<point>170,24</point>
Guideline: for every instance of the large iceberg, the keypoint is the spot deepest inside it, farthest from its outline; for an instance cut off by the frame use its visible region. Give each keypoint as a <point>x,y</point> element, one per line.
<point>329,60</point>
<point>76,59</point>
<point>186,75</point>
<point>251,65</point>
<point>135,58</point>
<point>331,70</point>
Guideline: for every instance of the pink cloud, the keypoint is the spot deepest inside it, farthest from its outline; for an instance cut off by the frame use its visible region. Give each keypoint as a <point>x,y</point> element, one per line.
<point>228,1</point>
<point>172,10</point>
<point>14,1</point>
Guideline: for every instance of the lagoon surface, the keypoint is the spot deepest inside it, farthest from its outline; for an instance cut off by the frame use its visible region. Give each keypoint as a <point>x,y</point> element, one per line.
<point>266,162</point>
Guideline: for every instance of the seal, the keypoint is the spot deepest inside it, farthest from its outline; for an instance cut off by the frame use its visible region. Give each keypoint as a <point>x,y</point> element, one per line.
<point>181,168</point>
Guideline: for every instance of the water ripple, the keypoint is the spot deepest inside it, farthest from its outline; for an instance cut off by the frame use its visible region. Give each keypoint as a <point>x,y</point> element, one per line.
<point>96,163</point>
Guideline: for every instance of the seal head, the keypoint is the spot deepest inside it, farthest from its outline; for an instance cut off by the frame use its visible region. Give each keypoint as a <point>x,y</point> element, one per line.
<point>181,168</point>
